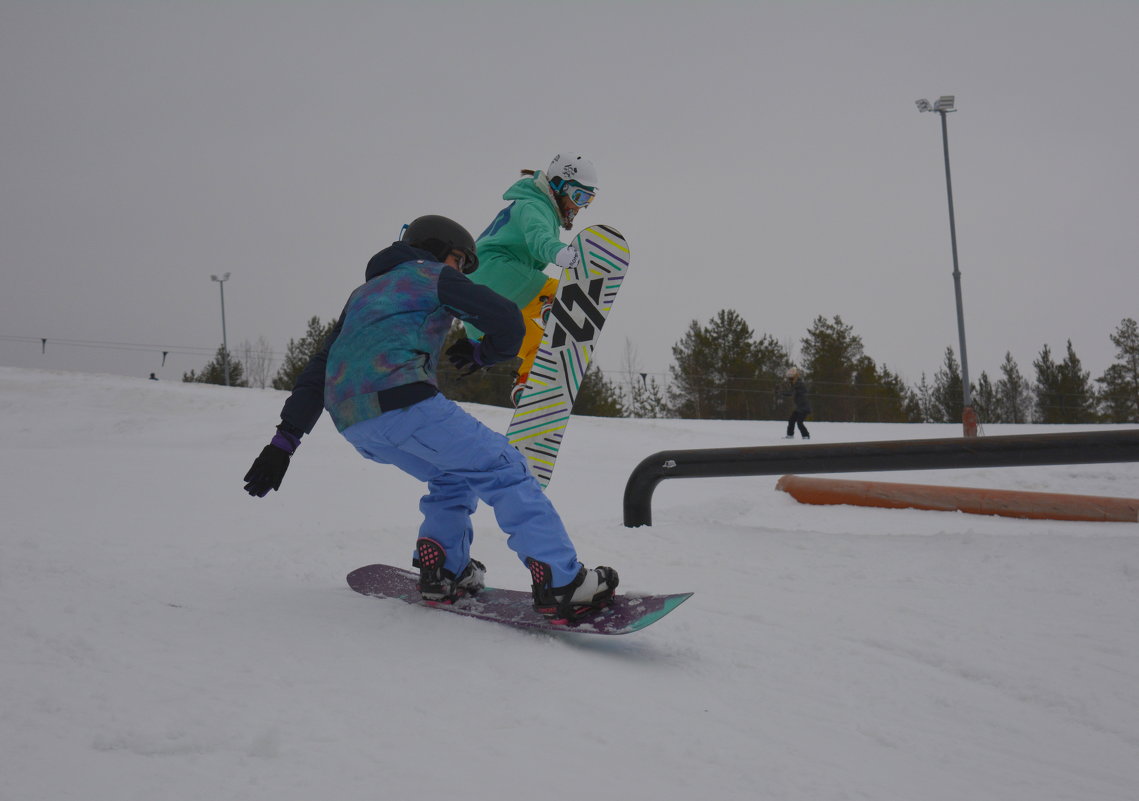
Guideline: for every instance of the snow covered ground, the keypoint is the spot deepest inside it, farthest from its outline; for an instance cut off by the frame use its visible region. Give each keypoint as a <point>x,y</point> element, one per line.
<point>165,636</point>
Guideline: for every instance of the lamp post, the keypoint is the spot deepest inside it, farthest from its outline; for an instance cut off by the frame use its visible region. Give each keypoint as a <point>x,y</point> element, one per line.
<point>943,106</point>
<point>224,346</point>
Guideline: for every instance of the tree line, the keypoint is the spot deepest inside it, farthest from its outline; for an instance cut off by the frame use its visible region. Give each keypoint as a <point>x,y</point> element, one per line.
<point>725,370</point>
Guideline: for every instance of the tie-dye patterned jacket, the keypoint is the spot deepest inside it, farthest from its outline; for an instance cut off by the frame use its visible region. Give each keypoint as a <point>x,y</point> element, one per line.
<point>383,351</point>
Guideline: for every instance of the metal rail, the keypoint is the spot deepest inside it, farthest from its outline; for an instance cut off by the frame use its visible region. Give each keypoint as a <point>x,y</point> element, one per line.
<point>1019,450</point>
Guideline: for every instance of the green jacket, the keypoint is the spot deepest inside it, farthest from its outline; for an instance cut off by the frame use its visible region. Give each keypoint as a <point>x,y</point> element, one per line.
<point>516,247</point>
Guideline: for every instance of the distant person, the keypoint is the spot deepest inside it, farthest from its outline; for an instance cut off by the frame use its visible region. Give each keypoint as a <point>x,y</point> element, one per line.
<point>523,239</point>
<point>153,377</point>
<point>376,376</point>
<point>796,389</point>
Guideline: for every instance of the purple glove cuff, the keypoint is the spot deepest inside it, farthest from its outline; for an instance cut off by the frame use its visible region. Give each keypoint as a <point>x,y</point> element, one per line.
<point>285,441</point>
<point>476,354</point>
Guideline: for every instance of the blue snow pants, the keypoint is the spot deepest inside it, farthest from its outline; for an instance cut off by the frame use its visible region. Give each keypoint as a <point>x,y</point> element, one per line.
<point>463,461</point>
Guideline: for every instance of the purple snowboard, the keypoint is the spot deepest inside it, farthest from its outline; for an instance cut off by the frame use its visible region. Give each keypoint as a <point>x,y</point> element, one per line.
<point>624,614</point>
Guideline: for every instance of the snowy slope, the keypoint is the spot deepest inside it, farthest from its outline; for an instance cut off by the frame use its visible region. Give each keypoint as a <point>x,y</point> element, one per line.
<point>164,636</point>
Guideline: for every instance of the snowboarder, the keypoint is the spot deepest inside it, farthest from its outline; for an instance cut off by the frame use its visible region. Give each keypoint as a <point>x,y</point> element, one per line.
<point>376,376</point>
<point>797,389</point>
<point>523,239</point>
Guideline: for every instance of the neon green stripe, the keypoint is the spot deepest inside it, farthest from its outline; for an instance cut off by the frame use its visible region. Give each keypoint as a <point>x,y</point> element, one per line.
<point>613,242</point>
<point>612,264</point>
<point>553,427</point>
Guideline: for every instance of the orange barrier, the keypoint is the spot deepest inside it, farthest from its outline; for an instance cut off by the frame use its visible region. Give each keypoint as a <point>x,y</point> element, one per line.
<point>1007,503</point>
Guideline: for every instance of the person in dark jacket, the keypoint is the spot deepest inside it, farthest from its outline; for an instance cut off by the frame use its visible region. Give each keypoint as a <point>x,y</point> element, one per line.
<point>797,389</point>
<point>375,374</point>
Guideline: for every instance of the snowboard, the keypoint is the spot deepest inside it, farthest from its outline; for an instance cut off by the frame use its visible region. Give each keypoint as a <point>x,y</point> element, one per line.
<point>625,613</point>
<point>577,315</point>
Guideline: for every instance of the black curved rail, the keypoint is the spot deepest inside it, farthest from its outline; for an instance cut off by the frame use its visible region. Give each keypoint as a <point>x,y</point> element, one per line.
<point>1019,450</point>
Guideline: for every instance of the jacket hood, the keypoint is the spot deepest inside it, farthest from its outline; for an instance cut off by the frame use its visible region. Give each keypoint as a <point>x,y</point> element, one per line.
<point>391,257</point>
<point>532,188</point>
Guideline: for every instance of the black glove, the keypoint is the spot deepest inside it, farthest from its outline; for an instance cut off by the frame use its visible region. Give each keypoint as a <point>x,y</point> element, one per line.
<point>269,468</point>
<point>465,356</point>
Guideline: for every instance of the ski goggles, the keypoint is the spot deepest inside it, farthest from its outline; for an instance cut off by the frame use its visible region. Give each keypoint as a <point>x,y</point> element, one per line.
<point>468,260</point>
<point>580,196</point>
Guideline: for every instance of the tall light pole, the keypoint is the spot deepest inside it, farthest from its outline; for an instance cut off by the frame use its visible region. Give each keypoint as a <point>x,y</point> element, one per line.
<point>224,346</point>
<point>943,106</point>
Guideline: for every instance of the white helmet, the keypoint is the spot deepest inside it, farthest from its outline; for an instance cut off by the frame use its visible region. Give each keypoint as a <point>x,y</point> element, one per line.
<point>572,167</point>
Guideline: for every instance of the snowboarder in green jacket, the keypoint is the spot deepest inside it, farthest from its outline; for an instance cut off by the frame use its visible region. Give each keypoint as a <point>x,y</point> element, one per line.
<point>523,239</point>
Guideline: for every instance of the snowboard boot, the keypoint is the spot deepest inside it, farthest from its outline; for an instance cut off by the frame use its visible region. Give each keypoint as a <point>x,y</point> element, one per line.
<point>590,592</point>
<point>437,584</point>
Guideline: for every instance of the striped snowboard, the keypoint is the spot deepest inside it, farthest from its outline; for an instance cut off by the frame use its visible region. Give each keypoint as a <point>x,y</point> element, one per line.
<point>585,295</point>
<point>624,614</point>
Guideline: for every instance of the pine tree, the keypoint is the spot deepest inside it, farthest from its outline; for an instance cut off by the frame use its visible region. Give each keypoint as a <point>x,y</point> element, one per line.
<point>215,371</point>
<point>298,352</point>
<point>832,355</point>
<point>864,387</point>
<point>646,399</point>
<point>1014,395</point>
<point>1063,390</point>
<point>948,387</point>
<point>1080,399</point>
<point>911,404</point>
<point>985,399</point>
<point>688,391</point>
<point>881,396</point>
<point>732,368</point>
<point>770,362</point>
<point>598,396</point>
<point>1119,398</point>
<point>723,372</point>
<point>1047,387</point>
<point>929,409</point>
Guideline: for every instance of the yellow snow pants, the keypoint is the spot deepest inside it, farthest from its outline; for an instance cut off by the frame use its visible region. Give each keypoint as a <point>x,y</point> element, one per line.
<point>533,315</point>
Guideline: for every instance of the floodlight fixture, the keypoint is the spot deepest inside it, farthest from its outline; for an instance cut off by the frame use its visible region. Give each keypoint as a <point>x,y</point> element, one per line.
<point>944,103</point>
<point>923,105</point>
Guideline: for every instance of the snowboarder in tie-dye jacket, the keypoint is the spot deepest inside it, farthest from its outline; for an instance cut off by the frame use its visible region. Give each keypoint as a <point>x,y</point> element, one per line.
<point>375,375</point>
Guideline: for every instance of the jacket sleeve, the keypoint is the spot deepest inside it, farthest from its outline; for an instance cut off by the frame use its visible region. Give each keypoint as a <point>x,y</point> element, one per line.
<point>306,402</point>
<point>498,318</point>
<point>535,223</point>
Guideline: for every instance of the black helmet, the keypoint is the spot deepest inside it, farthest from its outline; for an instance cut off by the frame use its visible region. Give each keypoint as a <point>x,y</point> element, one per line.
<point>439,236</point>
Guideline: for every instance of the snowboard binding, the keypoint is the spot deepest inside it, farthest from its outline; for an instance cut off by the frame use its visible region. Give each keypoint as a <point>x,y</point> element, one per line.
<point>437,584</point>
<point>589,593</point>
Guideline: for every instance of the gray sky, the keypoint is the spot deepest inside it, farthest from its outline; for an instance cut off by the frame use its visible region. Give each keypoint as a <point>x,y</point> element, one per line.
<point>765,157</point>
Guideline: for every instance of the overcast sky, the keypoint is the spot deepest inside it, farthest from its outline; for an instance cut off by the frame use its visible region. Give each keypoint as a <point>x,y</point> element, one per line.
<point>765,157</point>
